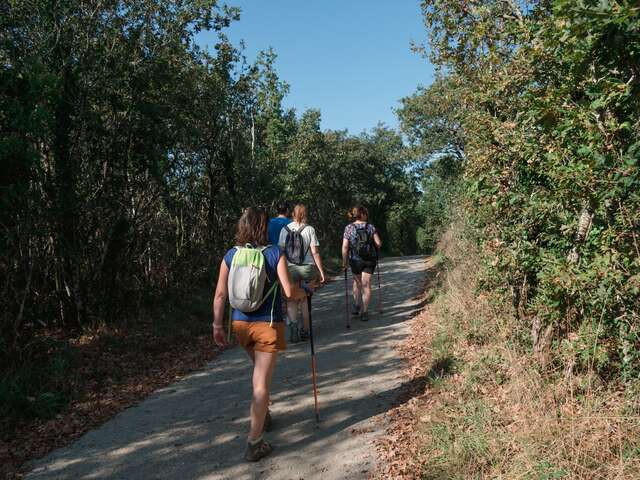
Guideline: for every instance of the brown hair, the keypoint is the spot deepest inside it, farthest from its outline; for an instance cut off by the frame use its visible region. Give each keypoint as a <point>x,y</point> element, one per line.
<point>300,213</point>
<point>359,213</point>
<point>252,227</point>
<point>351,214</point>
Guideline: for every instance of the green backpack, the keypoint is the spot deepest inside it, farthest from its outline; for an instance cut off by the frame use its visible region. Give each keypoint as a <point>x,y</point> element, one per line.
<point>247,279</point>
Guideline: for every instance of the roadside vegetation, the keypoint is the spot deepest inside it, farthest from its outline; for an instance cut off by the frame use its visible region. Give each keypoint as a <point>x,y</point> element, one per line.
<point>488,409</point>
<point>537,109</point>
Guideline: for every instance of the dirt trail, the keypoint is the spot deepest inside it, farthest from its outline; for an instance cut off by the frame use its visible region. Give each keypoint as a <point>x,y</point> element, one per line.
<point>195,429</point>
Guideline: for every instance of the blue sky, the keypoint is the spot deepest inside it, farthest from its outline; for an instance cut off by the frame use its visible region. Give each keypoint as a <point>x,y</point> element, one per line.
<point>349,58</point>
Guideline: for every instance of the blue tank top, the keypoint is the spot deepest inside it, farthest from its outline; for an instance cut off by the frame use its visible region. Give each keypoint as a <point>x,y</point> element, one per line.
<point>264,313</point>
<point>275,226</point>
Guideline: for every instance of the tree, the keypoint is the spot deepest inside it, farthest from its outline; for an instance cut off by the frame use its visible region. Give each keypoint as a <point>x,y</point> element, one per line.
<point>546,98</point>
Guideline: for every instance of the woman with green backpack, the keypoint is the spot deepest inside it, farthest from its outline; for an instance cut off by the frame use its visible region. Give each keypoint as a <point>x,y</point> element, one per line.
<point>252,275</point>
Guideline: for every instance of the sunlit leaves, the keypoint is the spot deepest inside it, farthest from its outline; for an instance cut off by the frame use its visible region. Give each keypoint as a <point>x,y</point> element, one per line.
<point>550,124</point>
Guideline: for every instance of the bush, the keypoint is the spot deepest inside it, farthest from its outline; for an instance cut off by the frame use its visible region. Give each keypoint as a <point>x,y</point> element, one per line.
<point>547,113</point>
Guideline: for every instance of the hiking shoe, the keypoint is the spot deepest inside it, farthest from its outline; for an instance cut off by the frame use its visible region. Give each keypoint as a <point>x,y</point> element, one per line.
<point>257,451</point>
<point>364,317</point>
<point>267,422</point>
<point>294,335</point>
<point>355,312</point>
<point>304,335</point>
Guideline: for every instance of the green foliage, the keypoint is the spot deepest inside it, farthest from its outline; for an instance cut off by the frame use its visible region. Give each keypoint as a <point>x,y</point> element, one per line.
<point>432,121</point>
<point>547,110</point>
<point>440,185</point>
<point>128,153</point>
<point>37,388</point>
<point>333,171</point>
<point>546,471</point>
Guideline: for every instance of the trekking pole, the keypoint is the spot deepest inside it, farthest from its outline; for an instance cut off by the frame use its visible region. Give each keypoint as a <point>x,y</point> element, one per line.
<point>379,291</point>
<point>313,359</point>
<point>346,299</point>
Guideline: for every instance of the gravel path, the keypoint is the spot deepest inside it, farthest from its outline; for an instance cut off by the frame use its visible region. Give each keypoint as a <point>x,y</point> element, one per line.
<point>196,428</point>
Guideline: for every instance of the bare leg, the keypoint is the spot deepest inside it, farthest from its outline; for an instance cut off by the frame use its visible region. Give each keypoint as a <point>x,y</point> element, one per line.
<point>366,290</point>
<point>357,290</point>
<point>292,311</point>
<point>262,374</point>
<point>292,308</point>
<point>252,354</point>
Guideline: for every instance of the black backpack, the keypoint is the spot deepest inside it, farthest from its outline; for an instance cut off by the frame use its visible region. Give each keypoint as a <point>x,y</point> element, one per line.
<point>294,246</point>
<point>364,247</point>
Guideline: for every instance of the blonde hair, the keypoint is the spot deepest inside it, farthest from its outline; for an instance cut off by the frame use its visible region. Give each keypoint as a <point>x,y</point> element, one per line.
<point>300,213</point>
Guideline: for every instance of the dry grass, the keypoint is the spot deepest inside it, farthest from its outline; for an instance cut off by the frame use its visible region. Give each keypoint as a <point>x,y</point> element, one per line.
<point>495,413</point>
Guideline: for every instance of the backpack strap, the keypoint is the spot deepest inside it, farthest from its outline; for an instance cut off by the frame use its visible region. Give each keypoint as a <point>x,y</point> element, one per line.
<point>350,242</point>
<point>272,290</point>
<point>261,250</point>
<point>306,252</point>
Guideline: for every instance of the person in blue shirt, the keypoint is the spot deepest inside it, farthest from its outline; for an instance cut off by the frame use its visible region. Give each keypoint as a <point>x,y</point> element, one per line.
<point>276,224</point>
<point>261,332</point>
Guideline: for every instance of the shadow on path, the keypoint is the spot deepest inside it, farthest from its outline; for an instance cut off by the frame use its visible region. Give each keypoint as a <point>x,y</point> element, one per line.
<point>196,428</point>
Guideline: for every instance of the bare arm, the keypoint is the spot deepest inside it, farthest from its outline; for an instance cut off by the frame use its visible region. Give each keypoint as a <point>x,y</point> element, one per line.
<point>316,257</point>
<point>345,252</point>
<point>377,241</point>
<point>290,290</point>
<point>219,302</point>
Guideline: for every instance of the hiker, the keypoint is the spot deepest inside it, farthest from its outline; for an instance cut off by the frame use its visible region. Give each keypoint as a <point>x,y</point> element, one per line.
<point>258,327</point>
<point>300,244</point>
<point>360,246</point>
<point>277,223</point>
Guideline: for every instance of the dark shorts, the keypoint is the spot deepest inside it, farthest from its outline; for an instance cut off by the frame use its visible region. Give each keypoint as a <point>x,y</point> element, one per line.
<point>359,266</point>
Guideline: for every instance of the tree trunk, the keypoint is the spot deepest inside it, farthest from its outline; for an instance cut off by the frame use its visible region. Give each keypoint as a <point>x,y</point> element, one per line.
<point>66,203</point>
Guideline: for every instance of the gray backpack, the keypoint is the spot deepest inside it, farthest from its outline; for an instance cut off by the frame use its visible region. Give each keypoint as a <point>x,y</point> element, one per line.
<point>294,248</point>
<point>247,279</point>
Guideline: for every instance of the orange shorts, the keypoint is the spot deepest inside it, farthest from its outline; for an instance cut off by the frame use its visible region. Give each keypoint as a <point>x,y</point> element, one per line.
<point>260,336</point>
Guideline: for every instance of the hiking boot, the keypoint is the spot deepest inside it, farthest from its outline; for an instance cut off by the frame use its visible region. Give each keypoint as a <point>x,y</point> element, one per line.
<point>304,335</point>
<point>364,317</point>
<point>267,422</point>
<point>257,451</point>
<point>356,311</point>
<point>294,335</point>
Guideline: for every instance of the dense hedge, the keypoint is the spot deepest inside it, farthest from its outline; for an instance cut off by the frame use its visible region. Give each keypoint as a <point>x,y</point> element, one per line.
<point>543,98</point>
